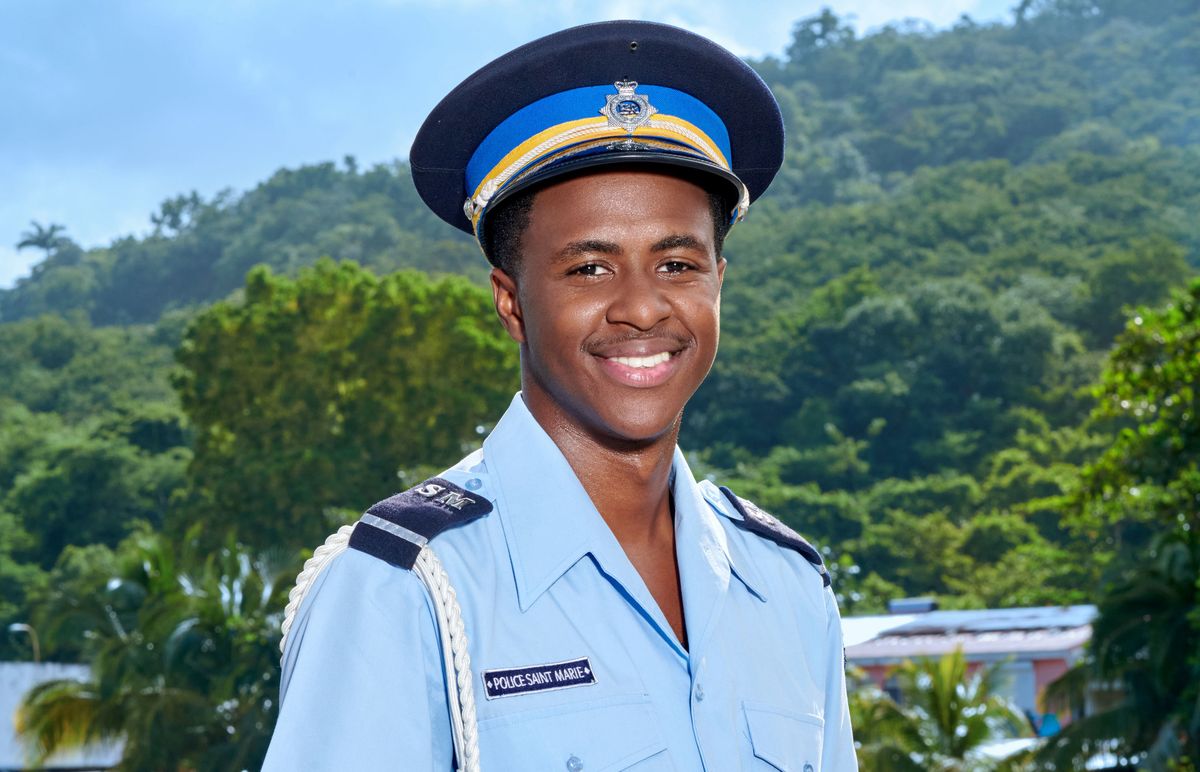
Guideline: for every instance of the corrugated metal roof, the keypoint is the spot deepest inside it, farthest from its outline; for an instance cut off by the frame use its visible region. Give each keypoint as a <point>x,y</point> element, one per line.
<point>994,620</point>
<point>1053,630</point>
<point>1058,643</point>
<point>856,630</point>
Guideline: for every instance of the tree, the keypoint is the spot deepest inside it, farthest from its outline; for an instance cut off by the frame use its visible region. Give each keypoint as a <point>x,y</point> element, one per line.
<point>1141,275</point>
<point>1143,493</point>
<point>90,490</point>
<point>200,250</point>
<point>944,715</point>
<point>53,364</point>
<point>1150,388</point>
<point>1145,640</point>
<point>183,648</point>
<point>18,579</point>
<point>316,393</point>
<point>43,237</point>
<point>176,213</point>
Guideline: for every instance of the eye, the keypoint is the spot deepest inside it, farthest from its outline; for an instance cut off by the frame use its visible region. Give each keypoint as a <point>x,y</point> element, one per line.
<point>589,269</point>
<point>676,266</point>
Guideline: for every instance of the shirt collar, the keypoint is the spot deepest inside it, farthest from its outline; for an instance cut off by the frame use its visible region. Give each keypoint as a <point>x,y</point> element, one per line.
<point>548,519</point>
<point>744,567</point>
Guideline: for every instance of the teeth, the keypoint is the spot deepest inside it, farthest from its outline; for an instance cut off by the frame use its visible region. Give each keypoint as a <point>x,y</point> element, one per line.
<point>649,361</point>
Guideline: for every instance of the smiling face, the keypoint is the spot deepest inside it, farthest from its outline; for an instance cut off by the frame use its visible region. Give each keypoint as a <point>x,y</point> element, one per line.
<point>616,303</point>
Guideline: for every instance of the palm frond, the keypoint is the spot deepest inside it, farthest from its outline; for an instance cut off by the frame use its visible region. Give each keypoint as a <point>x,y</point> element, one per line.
<point>61,715</point>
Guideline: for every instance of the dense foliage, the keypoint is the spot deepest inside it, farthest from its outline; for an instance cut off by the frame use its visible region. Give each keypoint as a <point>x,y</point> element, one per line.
<point>945,715</point>
<point>1143,493</point>
<point>916,318</point>
<point>201,250</point>
<point>318,393</point>
<point>183,646</point>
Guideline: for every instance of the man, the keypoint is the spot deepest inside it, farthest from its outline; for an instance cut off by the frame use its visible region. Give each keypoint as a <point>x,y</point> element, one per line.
<point>617,614</point>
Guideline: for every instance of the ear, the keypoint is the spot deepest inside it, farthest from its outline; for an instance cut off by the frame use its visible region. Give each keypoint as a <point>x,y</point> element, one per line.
<point>721,263</point>
<point>508,304</point>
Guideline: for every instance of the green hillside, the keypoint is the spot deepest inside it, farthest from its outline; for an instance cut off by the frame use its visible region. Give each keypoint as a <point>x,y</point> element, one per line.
<point>939,360</point>
<point>201,250</point>
<point>1114,79</point>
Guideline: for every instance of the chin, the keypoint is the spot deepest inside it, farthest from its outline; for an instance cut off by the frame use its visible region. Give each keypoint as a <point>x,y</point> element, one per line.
<point>635,426</point>
<point>610,414</point>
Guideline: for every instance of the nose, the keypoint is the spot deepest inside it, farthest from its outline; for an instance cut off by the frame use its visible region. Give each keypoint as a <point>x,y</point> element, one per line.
<point>639,301</point>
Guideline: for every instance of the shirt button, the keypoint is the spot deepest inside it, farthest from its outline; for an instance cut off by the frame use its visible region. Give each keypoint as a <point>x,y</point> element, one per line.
<point>699,693</point>
<point>574,764</point>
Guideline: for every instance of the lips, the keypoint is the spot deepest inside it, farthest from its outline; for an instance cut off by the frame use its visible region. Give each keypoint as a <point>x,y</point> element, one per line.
<point>639,346</point>
<point>640,362</point>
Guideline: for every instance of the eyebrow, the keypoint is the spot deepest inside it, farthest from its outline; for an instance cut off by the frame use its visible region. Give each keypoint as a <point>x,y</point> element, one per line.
<point>596,246</point>
<point>677,241</point>
<point>587,247</point>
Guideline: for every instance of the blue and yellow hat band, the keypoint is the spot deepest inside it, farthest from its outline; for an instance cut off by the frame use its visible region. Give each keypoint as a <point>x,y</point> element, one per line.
<point>568,128</point>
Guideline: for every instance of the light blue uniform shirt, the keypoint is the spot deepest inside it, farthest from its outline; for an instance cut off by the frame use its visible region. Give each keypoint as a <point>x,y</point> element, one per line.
<point>542,580</point>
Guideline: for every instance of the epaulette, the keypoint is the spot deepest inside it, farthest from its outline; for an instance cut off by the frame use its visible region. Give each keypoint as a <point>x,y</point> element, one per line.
<point>769,527</point>
<point>398,528</point>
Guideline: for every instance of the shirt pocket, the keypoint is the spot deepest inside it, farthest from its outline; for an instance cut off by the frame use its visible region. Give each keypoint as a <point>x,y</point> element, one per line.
<point>605,735</point>
<point>785,740</point>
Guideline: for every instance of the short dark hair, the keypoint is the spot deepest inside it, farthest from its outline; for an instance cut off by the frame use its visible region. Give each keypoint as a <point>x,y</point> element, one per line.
<point>504,227</point>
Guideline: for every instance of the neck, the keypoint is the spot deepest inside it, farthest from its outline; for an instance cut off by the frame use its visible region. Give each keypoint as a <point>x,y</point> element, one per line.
<point>628,481</point>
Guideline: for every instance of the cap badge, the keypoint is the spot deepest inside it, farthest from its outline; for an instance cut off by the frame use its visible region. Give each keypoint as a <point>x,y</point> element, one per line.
<point>626,109</point>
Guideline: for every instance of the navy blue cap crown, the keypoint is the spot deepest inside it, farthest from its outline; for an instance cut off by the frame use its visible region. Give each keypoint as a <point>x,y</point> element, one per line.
<point>606,93</point>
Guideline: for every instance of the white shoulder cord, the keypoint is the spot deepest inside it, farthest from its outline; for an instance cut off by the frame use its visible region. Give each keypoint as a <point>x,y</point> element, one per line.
<point>334,545</point>
<point>460,692</point>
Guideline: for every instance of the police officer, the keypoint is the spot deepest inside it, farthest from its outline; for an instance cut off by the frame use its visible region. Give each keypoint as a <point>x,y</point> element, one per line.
<point>609,611</point>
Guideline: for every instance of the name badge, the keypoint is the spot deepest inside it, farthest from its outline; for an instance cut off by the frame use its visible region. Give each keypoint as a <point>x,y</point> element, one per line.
<point>538,678</point>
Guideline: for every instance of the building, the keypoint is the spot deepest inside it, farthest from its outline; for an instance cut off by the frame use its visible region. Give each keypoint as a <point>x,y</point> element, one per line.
<point>1035,645</point>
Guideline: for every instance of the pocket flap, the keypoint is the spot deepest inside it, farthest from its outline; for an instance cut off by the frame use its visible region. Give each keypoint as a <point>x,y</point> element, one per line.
<point>788,741</point>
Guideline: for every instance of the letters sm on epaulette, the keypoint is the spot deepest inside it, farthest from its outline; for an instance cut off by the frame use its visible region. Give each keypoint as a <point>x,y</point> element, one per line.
<point>759,522</point>
<point>398,528</point>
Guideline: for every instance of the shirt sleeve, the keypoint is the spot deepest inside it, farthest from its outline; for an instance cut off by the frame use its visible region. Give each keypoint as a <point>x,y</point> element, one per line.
<point>838,745</point>
<point>362,685</point>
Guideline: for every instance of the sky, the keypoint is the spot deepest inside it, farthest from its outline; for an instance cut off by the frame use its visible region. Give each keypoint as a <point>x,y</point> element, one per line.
<point>109,108</point>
